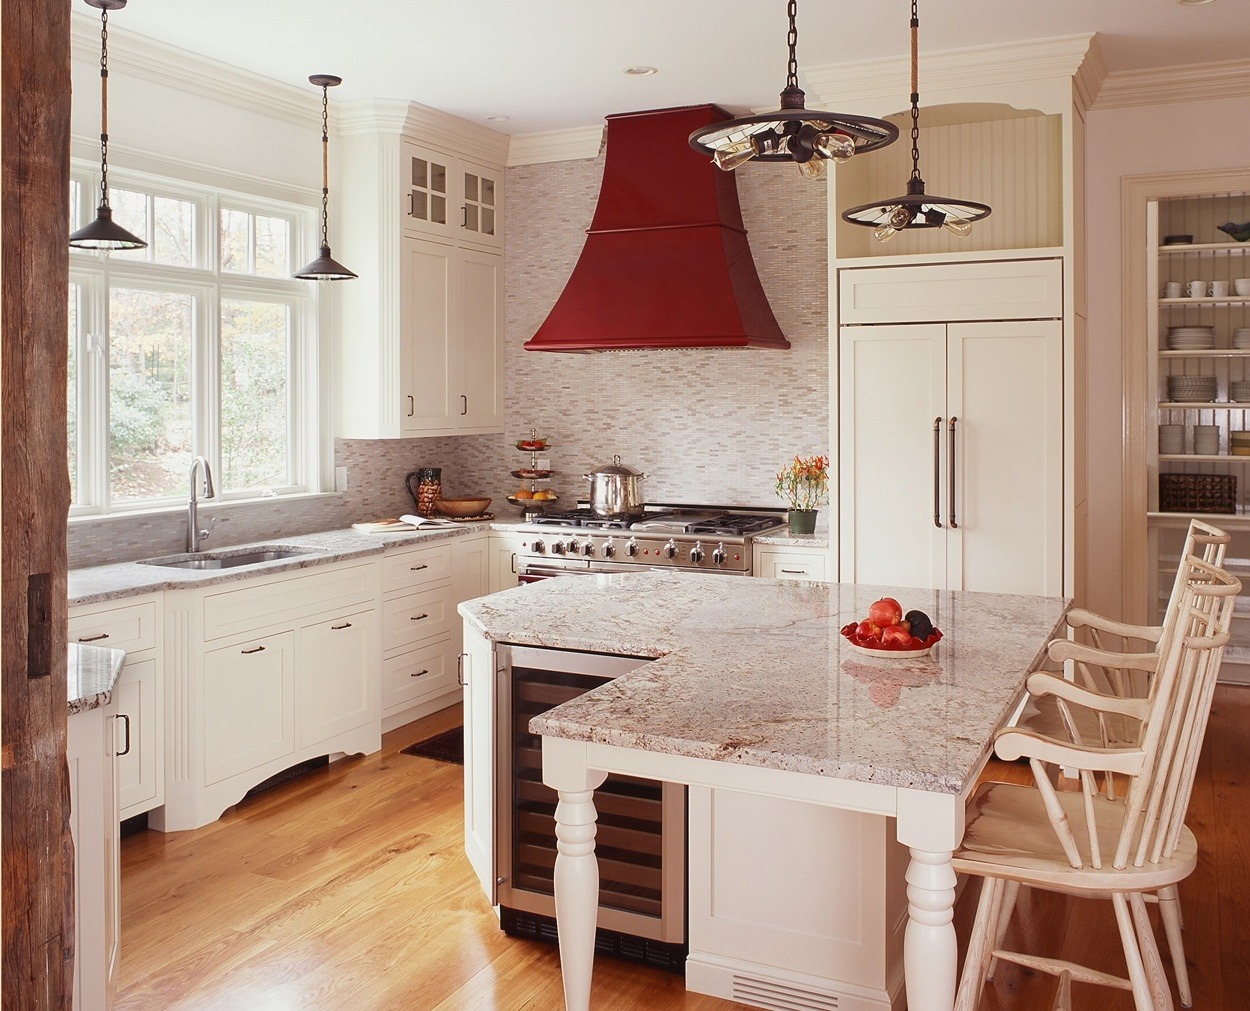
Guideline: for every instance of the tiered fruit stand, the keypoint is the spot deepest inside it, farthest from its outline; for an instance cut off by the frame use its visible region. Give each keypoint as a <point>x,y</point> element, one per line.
<point>531,497</point>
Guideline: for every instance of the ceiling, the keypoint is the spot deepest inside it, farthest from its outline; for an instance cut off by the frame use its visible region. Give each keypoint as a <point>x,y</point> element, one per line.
<point>557,64</point>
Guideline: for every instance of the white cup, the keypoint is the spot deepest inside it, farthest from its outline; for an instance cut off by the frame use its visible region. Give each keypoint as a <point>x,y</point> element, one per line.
<point>1196,289</point>
<point>1173,289</point>
<point>1219,289</point>
<point>1242,286</point>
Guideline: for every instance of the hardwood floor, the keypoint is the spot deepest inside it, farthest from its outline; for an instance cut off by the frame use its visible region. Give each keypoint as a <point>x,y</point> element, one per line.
<point>348,889</point>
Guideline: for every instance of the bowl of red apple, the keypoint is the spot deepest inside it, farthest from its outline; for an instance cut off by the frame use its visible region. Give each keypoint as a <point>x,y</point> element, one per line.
<point>889,632</point>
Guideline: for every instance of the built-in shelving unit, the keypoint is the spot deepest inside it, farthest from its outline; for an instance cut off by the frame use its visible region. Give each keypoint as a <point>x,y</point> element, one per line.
<point>1212,257</point>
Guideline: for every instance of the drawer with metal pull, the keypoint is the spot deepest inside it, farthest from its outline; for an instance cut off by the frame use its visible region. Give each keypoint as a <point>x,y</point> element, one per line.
<point>131,627</point>
<point>403,570</point>
<point>409,677</point>
<point>417,616</point>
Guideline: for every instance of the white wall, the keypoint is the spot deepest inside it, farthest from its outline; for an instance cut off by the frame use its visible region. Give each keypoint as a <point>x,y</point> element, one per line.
<point>1177,137</point>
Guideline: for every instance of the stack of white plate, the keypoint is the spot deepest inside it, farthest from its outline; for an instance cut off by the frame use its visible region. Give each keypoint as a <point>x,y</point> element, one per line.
<point>1241,338</point>
<point>1191,389</point>
<point>1171,439</point>
<point>1191,338</point>
<point>1239,391</point>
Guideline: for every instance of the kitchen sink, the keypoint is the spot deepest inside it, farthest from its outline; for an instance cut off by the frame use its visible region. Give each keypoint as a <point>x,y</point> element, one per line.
<point>227,559</point>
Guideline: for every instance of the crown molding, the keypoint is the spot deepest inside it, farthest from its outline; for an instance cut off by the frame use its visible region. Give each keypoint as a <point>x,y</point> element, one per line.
<point>556,145</point>
<point>431,127</point>
<point>976,70</point>
<point>1193,83</point>
<point>149,60</point>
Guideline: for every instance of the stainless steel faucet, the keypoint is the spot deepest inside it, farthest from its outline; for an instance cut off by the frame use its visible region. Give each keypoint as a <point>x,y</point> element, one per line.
<point>194,534</point>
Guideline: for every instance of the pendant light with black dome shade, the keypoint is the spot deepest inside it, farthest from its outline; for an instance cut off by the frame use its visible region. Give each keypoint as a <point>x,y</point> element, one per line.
<point>793,133</point>
<point>324,267</point>
<point>104,233</point>
<point>916,209</point>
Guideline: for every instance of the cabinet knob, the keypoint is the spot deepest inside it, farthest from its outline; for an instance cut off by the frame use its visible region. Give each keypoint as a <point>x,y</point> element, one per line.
<point>417,674</point>
<point>418,617</point>
<point>335,628</point>
<point>255,649</point>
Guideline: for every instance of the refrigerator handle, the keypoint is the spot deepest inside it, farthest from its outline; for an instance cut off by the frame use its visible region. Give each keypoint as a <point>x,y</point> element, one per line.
<point>950,490</point>
<point>937,475</point>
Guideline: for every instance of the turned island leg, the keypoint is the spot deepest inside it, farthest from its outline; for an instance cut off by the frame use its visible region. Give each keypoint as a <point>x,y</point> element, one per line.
<point>931,827</point>
<point>577,869</point>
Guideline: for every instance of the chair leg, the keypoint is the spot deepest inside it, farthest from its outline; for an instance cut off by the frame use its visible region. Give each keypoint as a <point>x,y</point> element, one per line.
<point>1007,907</point>
<point>1160,992</point>
<point>1132,955</point>
<point>1170,910</point>
<point>1063,998</point>
<point>973,979</point>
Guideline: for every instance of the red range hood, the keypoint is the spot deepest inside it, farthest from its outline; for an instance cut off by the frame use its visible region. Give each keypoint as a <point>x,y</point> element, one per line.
<point>666,263</point>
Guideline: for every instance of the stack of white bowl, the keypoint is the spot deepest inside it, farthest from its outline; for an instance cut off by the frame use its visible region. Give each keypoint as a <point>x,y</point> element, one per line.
<point>1191,338</point>
<point>1239,391</point>
<point>1171,439</point>
<point>1241,338</point>
<point>1191,389</point>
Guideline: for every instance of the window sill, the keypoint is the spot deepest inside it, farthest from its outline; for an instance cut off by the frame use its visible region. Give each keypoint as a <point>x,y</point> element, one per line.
<point>210,504</point>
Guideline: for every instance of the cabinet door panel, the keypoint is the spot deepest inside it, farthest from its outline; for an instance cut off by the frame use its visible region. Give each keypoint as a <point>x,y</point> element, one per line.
<point>138,771</point>
<point>414,617</point>
<point>410,677</point>
<point>429,341</point>
<point>249,705</point>
<point>892,382</point>
<point>785,563</point>
<point>480,394</point>
<point>338,684</point>
<point>1006,389</point>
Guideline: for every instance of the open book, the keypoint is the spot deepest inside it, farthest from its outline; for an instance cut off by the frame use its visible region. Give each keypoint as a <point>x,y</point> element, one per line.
<point>407,522</point>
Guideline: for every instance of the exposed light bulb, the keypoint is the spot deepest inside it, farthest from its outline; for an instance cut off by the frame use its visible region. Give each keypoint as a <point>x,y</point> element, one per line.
<point>813,168</point>
<point>884,232</point>
<point>900,216</point>
<point>837,146</point>
<point>729,158</point>
<point>959,226</point>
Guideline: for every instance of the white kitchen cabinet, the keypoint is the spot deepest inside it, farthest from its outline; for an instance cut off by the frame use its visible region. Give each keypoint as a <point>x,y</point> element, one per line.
<point>248,706</point>
<point>422,348</point>
<point>451,198</point>
<point>136,626</point>
<point>90,753</point>
<point>503,560</point>
<point>263,675</point>
<point>470,570</point>
<point>477,674</point>
<point>337,693</point>
<point>951,453</point>
<point>772,561</point>
<point>420,627</point>
<point>820,924</point>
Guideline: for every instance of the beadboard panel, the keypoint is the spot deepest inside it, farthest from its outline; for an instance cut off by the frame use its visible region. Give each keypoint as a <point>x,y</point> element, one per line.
<point>1013,164</point>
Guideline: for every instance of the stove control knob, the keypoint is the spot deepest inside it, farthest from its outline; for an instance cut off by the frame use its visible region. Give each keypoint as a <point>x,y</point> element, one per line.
<point>588,549</point>
<point>573,547</point>
<point>670,549</point>
<point>539,547</point>
<point>609,549</point>
<point>696,553</point>
<point>718,555</point>
<point>557,547</point>
<point>631,548</point>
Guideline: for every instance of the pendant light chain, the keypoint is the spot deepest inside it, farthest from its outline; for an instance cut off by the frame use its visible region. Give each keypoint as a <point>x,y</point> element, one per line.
<point>104,107</point>
<point>915,91</point>
<point>792,71</point>
<point>325,165</point>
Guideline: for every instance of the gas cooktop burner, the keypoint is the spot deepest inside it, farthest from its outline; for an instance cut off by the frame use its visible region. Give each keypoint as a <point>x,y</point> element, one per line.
<point>667,521</point>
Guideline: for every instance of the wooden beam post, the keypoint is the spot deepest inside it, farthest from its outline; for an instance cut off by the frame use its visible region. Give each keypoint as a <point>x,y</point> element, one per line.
<point>34,502</point>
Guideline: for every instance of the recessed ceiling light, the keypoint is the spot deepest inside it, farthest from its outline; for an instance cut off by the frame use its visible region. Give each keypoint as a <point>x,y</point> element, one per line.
<point>1194,3</point>
<point>641,71</point>
<point>498,119</point>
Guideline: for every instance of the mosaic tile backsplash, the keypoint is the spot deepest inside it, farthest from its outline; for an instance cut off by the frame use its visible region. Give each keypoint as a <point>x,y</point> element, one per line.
<point>704,426</point>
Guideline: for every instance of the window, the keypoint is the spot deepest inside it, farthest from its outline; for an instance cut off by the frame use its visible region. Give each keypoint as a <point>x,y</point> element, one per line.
<point>198,344</point>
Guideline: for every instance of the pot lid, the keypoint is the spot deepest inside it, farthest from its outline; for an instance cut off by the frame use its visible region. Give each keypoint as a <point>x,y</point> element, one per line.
<point>616,468</point>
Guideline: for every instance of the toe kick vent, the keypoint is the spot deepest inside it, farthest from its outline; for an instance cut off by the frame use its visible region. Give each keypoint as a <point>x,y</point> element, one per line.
<point>777,996</point>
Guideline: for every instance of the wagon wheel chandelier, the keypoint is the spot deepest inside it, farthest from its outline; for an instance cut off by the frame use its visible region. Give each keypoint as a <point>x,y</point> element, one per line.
<point>793,133</point>
<point>917,209</point>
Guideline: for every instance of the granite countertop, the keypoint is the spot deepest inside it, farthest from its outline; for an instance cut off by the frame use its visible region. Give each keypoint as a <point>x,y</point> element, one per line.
<point>819,541</point>
<point>756,672</point>
<point>126,579</point>
<point>93,671</point>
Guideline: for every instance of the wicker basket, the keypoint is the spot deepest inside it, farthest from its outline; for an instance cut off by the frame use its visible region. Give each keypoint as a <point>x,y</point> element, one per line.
<point>1197,493</point>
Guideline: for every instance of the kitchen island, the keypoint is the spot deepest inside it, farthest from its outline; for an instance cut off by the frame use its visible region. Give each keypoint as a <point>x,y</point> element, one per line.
<point>754,690</point>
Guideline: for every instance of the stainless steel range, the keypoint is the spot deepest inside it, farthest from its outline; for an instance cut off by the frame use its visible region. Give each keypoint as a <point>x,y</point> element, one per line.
<point>579,541</point>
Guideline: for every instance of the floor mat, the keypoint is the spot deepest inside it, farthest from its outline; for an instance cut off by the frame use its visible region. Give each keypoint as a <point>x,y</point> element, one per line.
<point>445,747</point>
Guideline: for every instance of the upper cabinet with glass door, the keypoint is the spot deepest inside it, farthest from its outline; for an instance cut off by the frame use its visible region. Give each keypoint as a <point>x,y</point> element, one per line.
<point>451,198</point>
